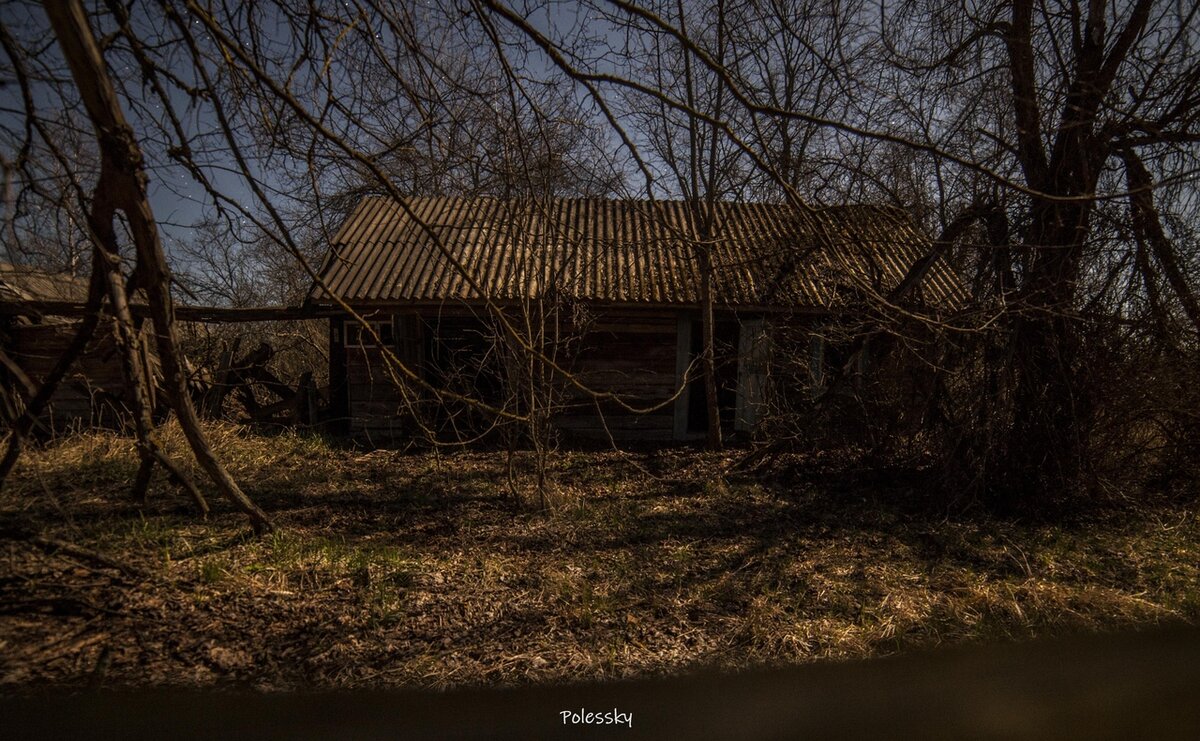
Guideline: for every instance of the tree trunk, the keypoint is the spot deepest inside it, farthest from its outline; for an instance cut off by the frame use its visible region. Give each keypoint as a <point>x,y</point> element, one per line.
<point>708,349</point>
<point>1044,453</point>
<point>124,176</point>
<point>107,260</point>
<point>1044,449</point>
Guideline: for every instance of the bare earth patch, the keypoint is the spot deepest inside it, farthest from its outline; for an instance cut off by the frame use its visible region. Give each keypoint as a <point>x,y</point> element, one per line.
<point>395,569</point>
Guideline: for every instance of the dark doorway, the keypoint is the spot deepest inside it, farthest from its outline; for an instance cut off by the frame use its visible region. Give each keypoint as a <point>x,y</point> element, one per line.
<point>725,337</point>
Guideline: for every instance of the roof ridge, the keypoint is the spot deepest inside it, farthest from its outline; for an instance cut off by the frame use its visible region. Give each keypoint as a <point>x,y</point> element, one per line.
<point>864,205</point>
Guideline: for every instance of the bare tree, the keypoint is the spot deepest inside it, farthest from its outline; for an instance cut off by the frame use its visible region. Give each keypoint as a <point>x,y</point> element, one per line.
<point>1050,147</point>
<point>122,186</point>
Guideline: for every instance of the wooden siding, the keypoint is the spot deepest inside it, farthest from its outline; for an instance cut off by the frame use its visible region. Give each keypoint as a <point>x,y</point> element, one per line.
<point>632,355</point>
<point>639,356</point>
<point>93,393</point>
<point>374,392</point>
<point>375,402</point>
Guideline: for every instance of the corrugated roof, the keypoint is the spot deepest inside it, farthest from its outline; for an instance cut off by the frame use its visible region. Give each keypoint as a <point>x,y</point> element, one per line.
<point>19,283</point>
<point>621,252</point>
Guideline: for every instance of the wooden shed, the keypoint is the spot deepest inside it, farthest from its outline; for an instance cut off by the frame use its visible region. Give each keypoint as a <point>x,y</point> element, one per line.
<point>610,289</point>
<point>93,393</point>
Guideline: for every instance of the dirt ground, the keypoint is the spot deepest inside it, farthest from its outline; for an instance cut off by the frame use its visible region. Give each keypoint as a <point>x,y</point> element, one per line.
<point>395,569</point>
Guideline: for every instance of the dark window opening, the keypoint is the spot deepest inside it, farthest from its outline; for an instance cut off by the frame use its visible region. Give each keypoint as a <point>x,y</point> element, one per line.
<point>725,337</point>
<point>357,336</point>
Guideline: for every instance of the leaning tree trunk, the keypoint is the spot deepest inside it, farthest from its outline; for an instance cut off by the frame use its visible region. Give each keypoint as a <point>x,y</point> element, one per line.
<point>107,259</point>
<point>124,177</point>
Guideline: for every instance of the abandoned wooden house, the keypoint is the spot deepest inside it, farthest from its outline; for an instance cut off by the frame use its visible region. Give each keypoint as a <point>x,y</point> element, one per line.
<point>610,289</point>
<point>32,339</point>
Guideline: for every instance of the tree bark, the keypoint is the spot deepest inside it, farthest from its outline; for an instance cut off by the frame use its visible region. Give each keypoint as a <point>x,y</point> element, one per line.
<point>108,261</point>
<point>122,168</point>
<point>1044,448</point>
<point>708,351</point>
<point>1149,228</point>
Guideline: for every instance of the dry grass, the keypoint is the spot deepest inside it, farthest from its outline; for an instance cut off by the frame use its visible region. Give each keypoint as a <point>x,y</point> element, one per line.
<point>394,569</point>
